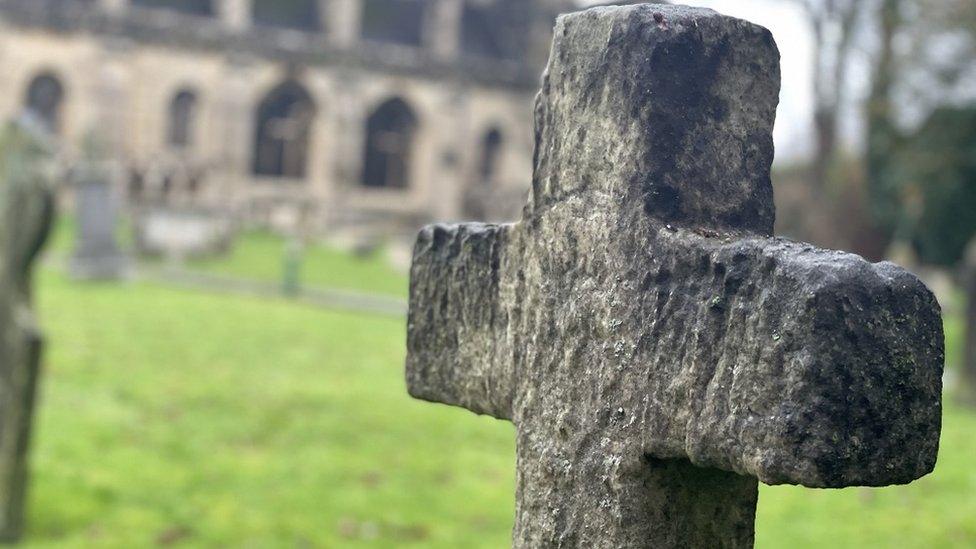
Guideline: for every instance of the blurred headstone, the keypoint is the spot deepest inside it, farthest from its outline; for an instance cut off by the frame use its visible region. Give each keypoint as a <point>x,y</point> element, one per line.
<point>291,283</point>
<point>182,233</point>
<point>97,255</point>
<point>657,349</point>
<point>26,213</point>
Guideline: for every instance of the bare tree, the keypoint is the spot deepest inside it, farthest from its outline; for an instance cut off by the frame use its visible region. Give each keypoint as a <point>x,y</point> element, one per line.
<point>882,133</point>
<point>833,23</point>
<point>925,57</point>
<point>941,57</point>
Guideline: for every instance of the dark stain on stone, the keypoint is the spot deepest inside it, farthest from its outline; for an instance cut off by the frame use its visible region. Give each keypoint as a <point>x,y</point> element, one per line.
<point>663,201</point>
<point>680,104</point>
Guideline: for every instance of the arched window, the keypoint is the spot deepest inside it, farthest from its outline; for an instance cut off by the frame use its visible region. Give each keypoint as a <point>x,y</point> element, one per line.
<point>44,97</point>
<point>389,145</point>
<point>182,111</point>
<point>291,14</point>
<point>491,147</point>
<point>192,7</point>
<point>284,120</point>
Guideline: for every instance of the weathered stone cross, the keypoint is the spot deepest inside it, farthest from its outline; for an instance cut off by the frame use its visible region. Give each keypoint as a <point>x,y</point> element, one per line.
<point>656,348</point>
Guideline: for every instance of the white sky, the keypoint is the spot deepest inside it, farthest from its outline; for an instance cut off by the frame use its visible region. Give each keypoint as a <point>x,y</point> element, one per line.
<point>786,21</point>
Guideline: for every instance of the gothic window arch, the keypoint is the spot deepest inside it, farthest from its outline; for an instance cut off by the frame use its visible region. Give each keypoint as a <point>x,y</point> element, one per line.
<point>389,147</point>
<point>44,99</point>
<point>284,121</point>
<point>182,119</point>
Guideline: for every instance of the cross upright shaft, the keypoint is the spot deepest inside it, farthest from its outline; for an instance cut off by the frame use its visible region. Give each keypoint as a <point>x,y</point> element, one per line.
<point>656,348</point>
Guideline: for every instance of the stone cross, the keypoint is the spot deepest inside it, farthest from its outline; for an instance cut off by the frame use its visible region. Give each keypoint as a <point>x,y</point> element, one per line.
<point>657,349</point>
<point>26,212</point>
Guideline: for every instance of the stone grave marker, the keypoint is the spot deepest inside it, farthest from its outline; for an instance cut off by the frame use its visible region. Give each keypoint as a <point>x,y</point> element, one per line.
<point>658,350</point>
<point>26,213</point>
<point>181,233</point>
<point>97,255</point>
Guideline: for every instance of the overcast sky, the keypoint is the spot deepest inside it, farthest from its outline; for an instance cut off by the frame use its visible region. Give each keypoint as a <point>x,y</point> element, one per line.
<point>786,21</point>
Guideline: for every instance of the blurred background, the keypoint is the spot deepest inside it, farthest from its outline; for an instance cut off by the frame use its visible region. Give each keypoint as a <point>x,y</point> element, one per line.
<point>239,184</point>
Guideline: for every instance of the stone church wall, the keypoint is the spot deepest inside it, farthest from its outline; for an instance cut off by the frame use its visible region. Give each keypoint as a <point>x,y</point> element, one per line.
<point>120,81</point>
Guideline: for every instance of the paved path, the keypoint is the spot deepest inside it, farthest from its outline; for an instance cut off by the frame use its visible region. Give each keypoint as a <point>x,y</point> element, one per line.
<point>320,297</point>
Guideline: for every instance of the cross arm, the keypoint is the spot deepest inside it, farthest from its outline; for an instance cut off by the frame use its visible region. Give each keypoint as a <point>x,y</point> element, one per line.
<point>789,363</point>
<point>457,325</point>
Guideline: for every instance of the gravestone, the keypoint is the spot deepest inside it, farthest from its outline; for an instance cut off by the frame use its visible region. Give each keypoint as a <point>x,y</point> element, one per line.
<point>182,233</point>
<point>97,255</point>
<point>26,212</point>
<point>657,349</point>
<point>291,272</point>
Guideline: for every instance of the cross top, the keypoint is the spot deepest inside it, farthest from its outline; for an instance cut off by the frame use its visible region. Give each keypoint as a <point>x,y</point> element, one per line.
<point>656,349</point>
<point>673,105</point>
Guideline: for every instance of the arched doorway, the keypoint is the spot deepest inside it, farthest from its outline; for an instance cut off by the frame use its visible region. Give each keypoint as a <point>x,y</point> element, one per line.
<point>45,95</point>
<point>389,144</point>
<point>284,121</point>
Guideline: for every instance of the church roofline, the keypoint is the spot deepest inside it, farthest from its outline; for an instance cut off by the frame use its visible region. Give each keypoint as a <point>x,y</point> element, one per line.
<point>166,28</point>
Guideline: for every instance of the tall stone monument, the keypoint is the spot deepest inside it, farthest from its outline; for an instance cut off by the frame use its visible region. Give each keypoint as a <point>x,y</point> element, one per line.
<point>658,350</point>
<point>97,255</point>
<point>26,212</point>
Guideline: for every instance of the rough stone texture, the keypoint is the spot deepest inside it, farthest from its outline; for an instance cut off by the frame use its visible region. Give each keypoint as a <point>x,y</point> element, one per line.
<point>656,348</point>
<point>26,212</point>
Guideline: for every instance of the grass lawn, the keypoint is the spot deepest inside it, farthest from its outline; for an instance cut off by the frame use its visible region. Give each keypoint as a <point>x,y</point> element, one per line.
<point>259,255</point>
<point>62,235</point>
<point>187,419</point>
<point>170,416</point>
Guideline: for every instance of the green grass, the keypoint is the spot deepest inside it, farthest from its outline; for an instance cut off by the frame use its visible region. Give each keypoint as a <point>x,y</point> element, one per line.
<point>936,511</point>
<point>224,421</point>
<point>62,235</point>
<point>261,256</point>
<point>172,417</point>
